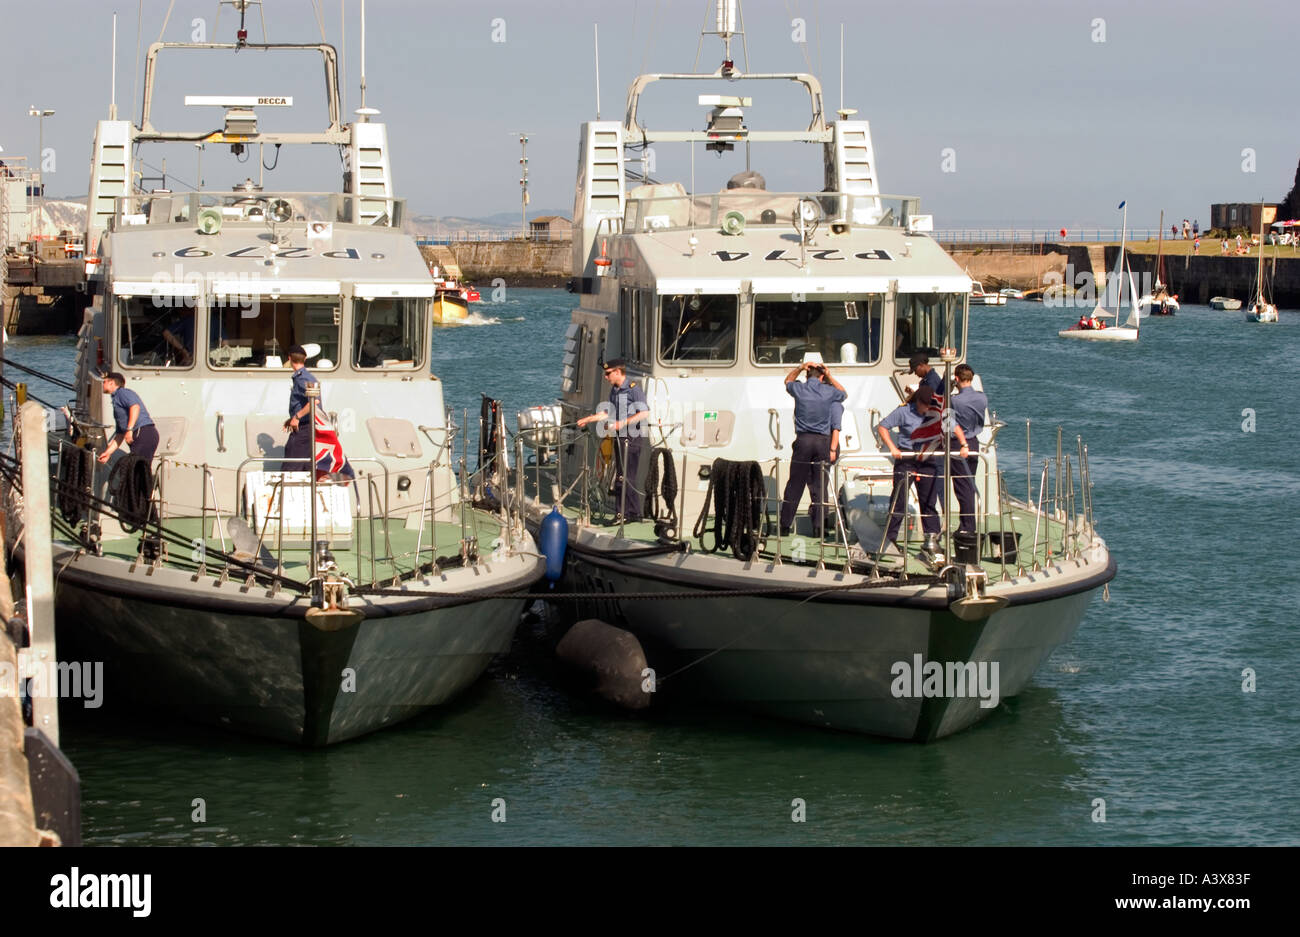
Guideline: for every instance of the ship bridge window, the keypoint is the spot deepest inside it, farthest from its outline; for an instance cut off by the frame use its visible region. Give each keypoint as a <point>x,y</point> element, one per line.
<point>927,322</point>
<point>157,332</point>
<point>696,328</point>
<point>636,324</point>
<point>389,333</point>
<point>257,332</point>
<point>842,329</point>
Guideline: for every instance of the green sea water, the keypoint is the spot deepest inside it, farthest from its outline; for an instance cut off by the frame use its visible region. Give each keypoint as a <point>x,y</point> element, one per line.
<point>1192,452</point>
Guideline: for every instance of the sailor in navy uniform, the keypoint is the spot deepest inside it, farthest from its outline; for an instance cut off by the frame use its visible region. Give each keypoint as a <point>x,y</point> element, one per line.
<point>920,364</point>
<point>298,445</point>
<point>627,415</point>
<point>968,406</point>
<point>813,426</point>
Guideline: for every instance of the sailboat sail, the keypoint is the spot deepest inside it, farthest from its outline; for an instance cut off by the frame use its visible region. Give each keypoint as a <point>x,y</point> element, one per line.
<point>1110,300</point>
<point>1133,317</point>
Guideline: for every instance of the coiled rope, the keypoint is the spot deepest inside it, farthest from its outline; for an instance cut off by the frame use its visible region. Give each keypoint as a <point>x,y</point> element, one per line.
<point>665,515</point>
<point>74,471</point>
<point>739,499</point>
<point>130,487</point>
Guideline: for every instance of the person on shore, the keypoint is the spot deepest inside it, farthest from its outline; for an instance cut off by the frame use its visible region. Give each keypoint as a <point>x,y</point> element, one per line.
<point>814,399</point>
<point>298,446</point>
<point>1223,247</point>
<point>920,364</point>
<point>1196,245</point>
<point>1196,228</point>
<point>968,407</point>
<point>627,409</point>
<point>131,420</point>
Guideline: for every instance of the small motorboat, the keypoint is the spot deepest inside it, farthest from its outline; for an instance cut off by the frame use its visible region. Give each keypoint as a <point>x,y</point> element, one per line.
<point>979,297</point>
<point>1225,304</point>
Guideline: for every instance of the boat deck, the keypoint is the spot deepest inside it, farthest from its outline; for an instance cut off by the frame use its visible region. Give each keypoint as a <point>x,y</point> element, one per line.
<point>803,547</point>
<point>361,559</point>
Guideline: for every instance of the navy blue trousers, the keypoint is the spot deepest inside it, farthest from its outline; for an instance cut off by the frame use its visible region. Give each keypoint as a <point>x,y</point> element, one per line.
<point>630,452</point>
<point>808,459</point>
<point>963,485</point>
<point>925,475</point>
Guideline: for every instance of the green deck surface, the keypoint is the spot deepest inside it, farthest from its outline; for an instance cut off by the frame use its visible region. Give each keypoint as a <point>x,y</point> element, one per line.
<point>354,558</point>
<point>803,546</point>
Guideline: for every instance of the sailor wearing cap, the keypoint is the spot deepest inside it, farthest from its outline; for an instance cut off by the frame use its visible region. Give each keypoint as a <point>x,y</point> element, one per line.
<point>299,423</point>
<point>134,426</point>
<point>920,364</point>
<point>626,413</point>
<point>907,419</point>
<point>813,399</point>
<point>968,406</point>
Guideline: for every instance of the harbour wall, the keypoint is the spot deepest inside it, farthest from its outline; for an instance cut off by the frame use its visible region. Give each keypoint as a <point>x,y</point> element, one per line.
<point>1196,279</point>
<point>518,263</point>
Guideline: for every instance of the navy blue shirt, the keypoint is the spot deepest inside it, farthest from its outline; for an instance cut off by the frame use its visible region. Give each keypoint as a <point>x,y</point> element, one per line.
<point>905,419</point>
<point>837,415</point>
<point>812,405</point>
<point>624,402</point>
<point>934,379</point>
<point>968,407</point>
<point>123,401</point>
<point>298,396</point>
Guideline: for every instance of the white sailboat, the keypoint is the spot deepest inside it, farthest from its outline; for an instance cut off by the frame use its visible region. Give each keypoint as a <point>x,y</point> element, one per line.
<point>1159,302</point>
<point>1260,310</point>
<point>1112,302</point>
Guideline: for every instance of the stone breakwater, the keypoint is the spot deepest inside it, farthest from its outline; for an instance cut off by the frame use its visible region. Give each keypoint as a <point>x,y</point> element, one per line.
<point>1196,279</point>
<point>518,263</point>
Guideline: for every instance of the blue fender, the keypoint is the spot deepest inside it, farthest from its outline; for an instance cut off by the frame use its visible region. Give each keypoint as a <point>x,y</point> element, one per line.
<point>553,539</point>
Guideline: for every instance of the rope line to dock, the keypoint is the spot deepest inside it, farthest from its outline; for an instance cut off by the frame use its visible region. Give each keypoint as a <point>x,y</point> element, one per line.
<point>41,374</point>
<point>807,591</point>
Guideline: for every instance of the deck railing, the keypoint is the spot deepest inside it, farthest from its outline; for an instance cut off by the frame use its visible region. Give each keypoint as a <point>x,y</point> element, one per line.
<point>1062,511</point>
<point>81,484</point>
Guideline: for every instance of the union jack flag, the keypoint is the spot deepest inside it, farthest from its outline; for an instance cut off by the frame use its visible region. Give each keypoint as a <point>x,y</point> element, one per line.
<point>927,438</point>
<point>329,451</point>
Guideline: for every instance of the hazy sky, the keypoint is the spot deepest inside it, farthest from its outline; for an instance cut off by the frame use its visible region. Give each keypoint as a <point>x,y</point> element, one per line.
<point>1046,125</point>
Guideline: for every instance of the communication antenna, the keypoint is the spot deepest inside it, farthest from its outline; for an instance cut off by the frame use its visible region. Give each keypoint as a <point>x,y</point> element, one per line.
<point>363,54</point>
<point>596,32</point>
<point>241,35</point>
<point>112,95</point>
<point>728,21</point>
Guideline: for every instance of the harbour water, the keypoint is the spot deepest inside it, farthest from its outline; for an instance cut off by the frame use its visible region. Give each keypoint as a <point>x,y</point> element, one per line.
<point>1196,488</point>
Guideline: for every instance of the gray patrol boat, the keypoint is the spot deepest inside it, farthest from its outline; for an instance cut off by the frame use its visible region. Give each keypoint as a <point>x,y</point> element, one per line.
<point>305,606</point>
<point>713,298</point>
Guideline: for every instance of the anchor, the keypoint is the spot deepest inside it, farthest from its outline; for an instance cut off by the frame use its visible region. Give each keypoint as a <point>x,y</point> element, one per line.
<point>975,605</point>
<point>332,614</point>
